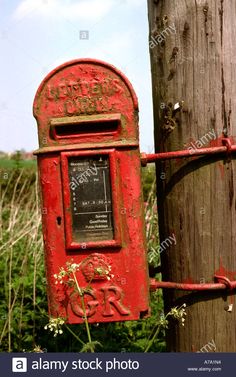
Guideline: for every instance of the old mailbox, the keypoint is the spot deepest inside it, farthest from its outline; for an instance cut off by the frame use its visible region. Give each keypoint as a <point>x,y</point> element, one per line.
<point>91,193</point>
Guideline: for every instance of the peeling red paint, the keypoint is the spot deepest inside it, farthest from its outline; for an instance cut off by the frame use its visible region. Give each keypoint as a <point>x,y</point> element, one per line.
<point>86,108</point>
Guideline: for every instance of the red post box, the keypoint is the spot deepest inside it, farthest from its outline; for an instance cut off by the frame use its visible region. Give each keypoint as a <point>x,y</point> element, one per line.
<point>91,192</point>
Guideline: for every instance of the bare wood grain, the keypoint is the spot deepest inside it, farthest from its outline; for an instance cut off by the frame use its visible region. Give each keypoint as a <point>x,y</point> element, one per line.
<point>196,201</point>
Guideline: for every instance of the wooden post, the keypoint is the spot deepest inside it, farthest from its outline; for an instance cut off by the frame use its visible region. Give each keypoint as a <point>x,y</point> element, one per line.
<point>193,61</point>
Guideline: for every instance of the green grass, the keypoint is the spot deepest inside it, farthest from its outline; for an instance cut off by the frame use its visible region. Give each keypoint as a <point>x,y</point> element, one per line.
<point>13,164</point>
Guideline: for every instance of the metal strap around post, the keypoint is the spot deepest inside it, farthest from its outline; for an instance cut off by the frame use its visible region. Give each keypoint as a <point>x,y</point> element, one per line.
<point>222,283</point>
<point>227,147</point>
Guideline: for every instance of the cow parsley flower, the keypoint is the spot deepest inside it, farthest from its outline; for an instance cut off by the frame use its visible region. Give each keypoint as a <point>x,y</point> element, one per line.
<point>55,325</point>
<point>179,313</point>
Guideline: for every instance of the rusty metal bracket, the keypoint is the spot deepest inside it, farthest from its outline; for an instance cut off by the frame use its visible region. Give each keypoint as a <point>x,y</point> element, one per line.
<point>227,147</point>
<point>222,283</point>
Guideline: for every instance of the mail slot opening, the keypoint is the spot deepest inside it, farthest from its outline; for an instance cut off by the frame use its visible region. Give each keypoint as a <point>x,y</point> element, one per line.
<point>79,128</point>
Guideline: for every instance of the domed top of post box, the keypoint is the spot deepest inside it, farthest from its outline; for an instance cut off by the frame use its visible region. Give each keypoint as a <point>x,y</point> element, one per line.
<point>85,102</point>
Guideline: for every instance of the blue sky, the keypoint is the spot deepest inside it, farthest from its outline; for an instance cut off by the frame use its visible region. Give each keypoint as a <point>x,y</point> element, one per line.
<point>38,35</point>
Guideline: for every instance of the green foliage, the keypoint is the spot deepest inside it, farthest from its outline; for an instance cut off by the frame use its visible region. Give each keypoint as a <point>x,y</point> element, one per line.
<point>23,303</point>
<point>90,345</point>
<point>16,163</point>
<point>148,178</point>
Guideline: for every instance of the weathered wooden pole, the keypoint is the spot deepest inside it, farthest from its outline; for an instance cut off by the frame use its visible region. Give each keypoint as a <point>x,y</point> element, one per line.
<point>193,61</point>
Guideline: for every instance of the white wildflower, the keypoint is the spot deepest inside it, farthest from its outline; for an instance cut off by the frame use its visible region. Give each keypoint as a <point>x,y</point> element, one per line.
<point>54,325</point>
